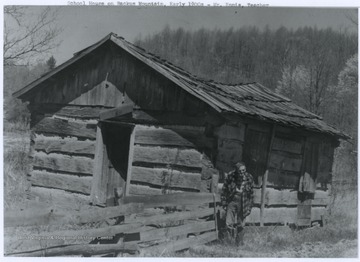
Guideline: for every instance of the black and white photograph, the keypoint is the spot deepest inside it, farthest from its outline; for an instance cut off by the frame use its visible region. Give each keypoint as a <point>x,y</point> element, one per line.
<point>180,130</point>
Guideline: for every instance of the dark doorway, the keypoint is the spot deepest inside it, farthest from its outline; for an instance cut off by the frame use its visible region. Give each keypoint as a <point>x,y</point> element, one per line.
<point>117,141</point>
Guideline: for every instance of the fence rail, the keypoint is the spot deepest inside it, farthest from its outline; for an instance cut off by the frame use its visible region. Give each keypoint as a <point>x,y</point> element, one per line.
<point>152,223</point>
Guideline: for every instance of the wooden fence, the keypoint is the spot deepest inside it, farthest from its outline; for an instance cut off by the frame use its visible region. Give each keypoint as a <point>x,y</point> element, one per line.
<point>150,224</point>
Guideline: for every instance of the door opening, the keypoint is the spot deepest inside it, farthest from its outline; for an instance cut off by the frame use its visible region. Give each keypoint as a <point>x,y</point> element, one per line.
<point>117,143</point>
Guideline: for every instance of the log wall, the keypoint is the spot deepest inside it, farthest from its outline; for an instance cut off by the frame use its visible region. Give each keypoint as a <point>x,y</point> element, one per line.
<point>281,206</point>
<point>286,159</point>
<point>62,152</point>
<point>167,160</point>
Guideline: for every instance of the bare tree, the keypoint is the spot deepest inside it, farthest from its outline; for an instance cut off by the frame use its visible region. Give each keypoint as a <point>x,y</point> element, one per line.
<point>352,16</point>
<point>25,36</point>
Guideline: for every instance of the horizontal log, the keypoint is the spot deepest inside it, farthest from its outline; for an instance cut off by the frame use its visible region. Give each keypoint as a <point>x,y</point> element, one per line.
<point>169,232</point>
<point>172,156</point>
<point>68,146</point>
<point>50,216</point>
<point>166,177</point>
<point>65,128</point>
<point>173,199</point>
<point>88,250</point>
<point>147,190</point>
<point>183,243</point>
<point>287,163</point>
<point>60,181</point>
<point>159,136</point>
<point>59,162</point>
<point>71,111</point>
<point>284,197</point>
<point>281,215</point>
<point>59,199</point>
<point>317,213</point>
<point>287,145</point>
<point>170,217</point>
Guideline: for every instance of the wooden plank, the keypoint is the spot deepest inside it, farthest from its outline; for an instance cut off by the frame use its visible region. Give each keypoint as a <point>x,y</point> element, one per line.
<point>170,217</point>
<point>287,145</point>
<point>59,162</point>
<point>68,146</point>
<point>172,156</point>
<point>147,190</point>
<point>263,192</point>
<point>172,199</point>
<point>103,94</point>
<point>183,243</point>
<point>60,181</point>
<point>88,250</point>
<point>99,182</point>
<point>166,177</point>
<point>286,163</point>
<point>160,136</point>
<point>59,199</point>
<point>115,112</point>
<point>65,128</point>
<point>66,110</point>
<point>164,117</point>
<point>130,160</point>
<point>169,232</point>
<point>50,216</point>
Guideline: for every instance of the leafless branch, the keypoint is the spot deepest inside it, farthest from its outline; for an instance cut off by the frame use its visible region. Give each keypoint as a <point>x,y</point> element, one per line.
<point>352,16</point>
<point>30,38</point>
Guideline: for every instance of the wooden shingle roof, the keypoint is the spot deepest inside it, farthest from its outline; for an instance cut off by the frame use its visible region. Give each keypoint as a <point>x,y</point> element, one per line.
<point>250,99</point>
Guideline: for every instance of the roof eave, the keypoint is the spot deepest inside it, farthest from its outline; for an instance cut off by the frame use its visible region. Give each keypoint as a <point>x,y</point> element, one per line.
<point>23,92</point>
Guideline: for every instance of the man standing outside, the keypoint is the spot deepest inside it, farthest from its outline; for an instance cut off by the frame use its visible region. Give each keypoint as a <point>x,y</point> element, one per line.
<point>237,198</point>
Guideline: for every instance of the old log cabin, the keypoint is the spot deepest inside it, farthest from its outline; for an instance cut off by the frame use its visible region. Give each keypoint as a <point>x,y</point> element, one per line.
<point>115,120</point>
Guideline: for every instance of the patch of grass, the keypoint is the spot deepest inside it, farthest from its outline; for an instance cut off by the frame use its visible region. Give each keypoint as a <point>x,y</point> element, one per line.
<point>16,127</point>
<point>16,164</point>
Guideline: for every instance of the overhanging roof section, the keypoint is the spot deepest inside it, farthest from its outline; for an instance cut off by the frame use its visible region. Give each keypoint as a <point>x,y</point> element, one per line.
<point>251,99</point>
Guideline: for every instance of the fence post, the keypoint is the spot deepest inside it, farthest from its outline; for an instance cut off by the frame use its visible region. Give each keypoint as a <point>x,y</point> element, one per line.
<point>263,192</point>
<point>215,216</point>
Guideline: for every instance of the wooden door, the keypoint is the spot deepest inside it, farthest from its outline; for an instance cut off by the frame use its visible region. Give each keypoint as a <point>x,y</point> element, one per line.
<point>255,152</point>
<point>311,157</point>
<point>117,141</point>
